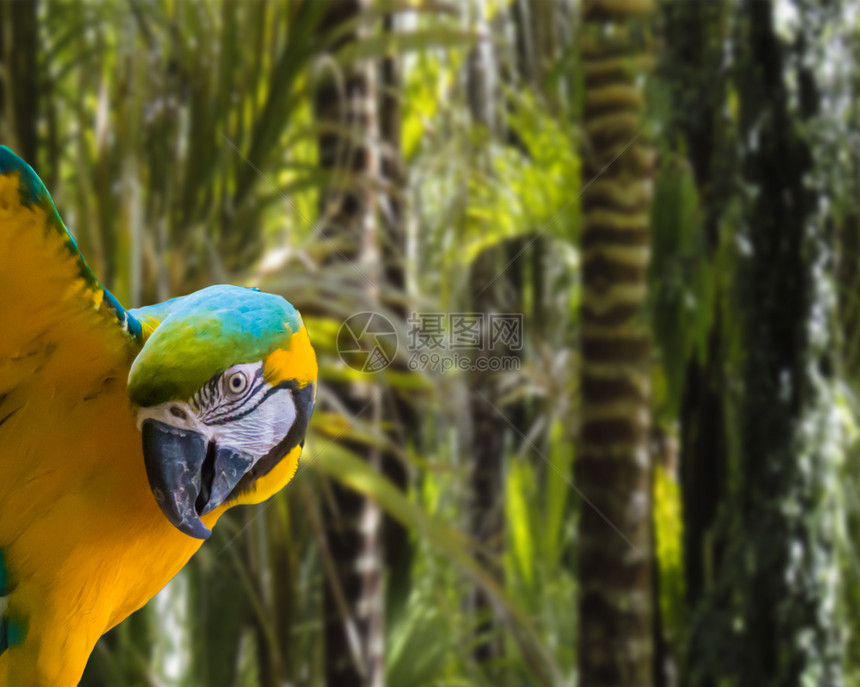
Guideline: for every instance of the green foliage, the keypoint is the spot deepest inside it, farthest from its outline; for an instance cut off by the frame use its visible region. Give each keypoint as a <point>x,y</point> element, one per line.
<point>541,528</point>
<point>530,187</point>
<point>447,542</point>
<point>668,536</point>
<point>521,491</point>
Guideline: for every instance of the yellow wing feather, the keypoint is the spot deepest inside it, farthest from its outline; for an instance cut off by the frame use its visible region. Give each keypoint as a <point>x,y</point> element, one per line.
<point>73,489</point>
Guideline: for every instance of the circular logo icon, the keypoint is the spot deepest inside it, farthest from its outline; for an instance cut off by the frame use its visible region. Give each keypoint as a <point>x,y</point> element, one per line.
<point>367,342</point>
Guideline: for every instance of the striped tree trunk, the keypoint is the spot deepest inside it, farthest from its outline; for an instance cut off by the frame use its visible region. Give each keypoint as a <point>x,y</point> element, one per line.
<point>487,430</point>
<point>346,102</point>
<point>612,468</point>
<point>487,436</point>
<point>399,409</point>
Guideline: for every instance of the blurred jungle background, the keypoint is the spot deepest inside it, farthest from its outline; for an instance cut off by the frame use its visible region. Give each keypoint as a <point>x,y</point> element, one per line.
<point>656,484</point>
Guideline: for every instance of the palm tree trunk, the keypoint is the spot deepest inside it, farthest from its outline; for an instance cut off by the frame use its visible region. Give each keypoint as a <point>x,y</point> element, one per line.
<point>613,468</point>
<point>693,66</point>
<point>486,485</point>
<point>777,567</point>
<point>398,408</point>
<point>487,431</point>
<point>20,88</point>
<point>347,103</point>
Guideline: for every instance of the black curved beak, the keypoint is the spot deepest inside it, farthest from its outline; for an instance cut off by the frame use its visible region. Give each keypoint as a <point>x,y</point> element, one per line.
<point>189,476</point>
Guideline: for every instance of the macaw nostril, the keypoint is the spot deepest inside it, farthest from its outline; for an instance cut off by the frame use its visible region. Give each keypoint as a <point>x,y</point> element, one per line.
<point>176,411</point>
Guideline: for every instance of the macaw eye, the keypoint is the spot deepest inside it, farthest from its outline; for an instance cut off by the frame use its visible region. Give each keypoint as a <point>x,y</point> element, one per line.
<point>237,383</point>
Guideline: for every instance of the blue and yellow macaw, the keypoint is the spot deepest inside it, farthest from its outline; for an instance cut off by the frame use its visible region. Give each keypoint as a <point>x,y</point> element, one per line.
<point>124,434</point>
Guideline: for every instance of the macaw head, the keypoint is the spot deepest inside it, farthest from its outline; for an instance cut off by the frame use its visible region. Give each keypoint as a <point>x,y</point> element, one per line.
<point>223,388</point>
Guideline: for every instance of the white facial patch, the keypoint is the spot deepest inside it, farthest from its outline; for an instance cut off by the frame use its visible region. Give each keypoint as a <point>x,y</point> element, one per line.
<point>262,429</point>
<point>251,418</point>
